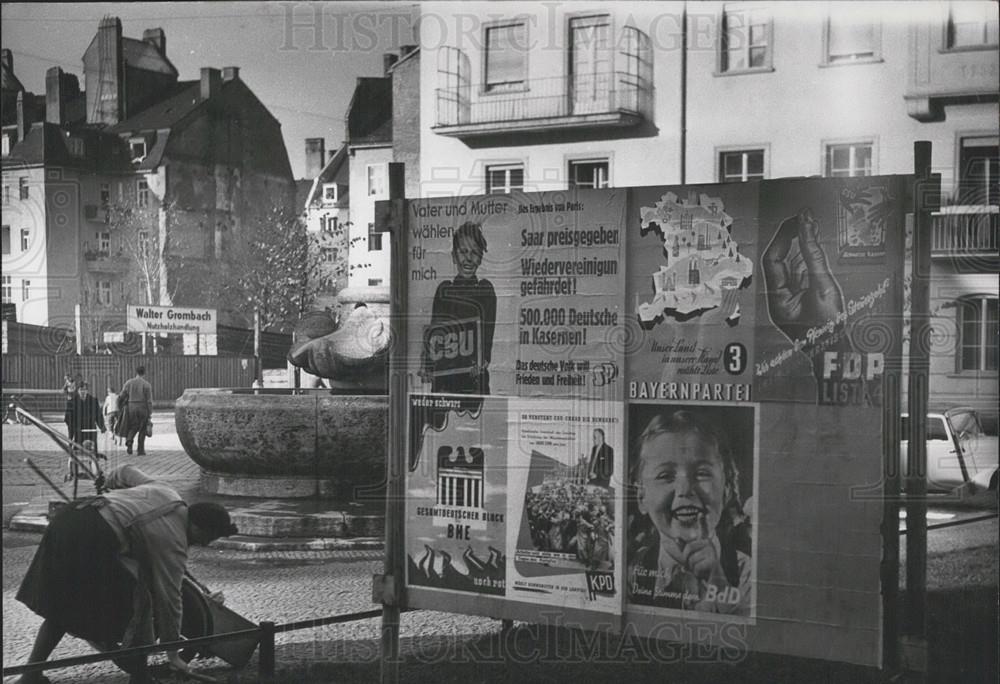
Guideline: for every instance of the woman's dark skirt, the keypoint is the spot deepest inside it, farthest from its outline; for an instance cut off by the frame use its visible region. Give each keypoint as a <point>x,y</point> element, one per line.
<point>76,580</point>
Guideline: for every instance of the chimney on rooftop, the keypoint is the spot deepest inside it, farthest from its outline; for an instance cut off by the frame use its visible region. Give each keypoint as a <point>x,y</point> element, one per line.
<point>22,126</point>
<point>230,73</point>
<point>315,156</point>
<point>157,38</point>
<point>60,88</point>
<point>7,58</point>
<point>104,74</point>
<point>211,81</point>
<point>388,59</point>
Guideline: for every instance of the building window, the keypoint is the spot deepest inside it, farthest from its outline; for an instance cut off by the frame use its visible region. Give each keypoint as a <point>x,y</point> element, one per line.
<point>849,160</point>
<point>741,165</point>
<point>329,192</point>
<point>137,149</point>
<point>104,292</point>
<point>329,254</point>
<point>453,95</point>
<point>6,194</point>
<point>105,194</point>
<point>22,183</point>
<point>6,144</point>
<point>979,171</point>
<point>374,239</point>
<point>374,282</point>
<point>25,290</point>
<point>376,180</point>
<point>6,239</point>
<point>589,173</point>
<point>505,58</point>
<point>76,147</point>
<point>143,244</point>
<point>104,242</point>
<point>745,39</point>
<point>852,36</point>
<point>504,178</point>
<point>142,192</point>
<point>978,333</point>
<point>25,239</point>
<point>7,292</point>
<point>972,25</point>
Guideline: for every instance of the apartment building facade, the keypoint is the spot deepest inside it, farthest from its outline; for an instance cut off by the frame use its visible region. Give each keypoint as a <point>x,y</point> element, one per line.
<point>383,126</point>
<point>521,97</point>
<point>191,161</point>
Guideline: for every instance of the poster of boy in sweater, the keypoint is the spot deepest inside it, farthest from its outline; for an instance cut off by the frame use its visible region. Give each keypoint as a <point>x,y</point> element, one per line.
<point>459,340</point>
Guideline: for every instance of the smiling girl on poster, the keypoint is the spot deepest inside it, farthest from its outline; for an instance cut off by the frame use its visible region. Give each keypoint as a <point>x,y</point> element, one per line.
<point>693,548</point>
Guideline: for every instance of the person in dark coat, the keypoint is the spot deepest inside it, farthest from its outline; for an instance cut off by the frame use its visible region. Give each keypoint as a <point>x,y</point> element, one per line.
<point>70,385</point>
<point>136,410</point>
<point>602,461</point>
<point>109,569</point>
<point>84,415</point>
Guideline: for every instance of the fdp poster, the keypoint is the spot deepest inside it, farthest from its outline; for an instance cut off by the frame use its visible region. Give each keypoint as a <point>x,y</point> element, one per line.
<point>830,259</point>
<point>517,295</point>
<point>564,503</point>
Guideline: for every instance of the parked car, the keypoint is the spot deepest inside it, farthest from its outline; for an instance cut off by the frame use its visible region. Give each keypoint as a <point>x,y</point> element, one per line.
<point>960,453</point>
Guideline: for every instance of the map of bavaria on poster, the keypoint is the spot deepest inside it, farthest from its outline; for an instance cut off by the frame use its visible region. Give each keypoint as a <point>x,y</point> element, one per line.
<point>702,261</point>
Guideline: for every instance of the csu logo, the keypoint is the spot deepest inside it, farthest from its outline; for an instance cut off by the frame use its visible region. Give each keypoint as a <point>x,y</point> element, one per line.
<point>453,346</point>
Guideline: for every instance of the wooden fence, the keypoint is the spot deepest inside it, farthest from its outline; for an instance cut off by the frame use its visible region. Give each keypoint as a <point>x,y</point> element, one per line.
<point>169,375</point>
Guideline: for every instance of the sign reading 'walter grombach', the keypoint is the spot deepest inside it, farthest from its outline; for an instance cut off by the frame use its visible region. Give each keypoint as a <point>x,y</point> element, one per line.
<point>172,319</point>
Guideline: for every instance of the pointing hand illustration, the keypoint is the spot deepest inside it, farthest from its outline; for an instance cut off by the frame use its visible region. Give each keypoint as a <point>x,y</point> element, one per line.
<point>801,290</point>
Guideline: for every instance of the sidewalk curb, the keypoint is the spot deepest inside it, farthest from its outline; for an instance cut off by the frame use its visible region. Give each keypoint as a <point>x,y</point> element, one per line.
<point>322,544</point>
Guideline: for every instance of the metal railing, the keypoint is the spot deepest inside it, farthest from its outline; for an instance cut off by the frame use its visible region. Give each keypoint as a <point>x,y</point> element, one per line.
<point>538,98</point>
<point>265,633</point>
<point>965,230</point>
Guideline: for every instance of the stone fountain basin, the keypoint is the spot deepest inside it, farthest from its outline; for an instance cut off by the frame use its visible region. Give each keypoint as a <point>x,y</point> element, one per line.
<point>285,443</point>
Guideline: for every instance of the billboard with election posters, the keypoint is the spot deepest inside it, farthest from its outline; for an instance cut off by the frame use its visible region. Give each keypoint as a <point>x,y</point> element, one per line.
<point>666,399</point>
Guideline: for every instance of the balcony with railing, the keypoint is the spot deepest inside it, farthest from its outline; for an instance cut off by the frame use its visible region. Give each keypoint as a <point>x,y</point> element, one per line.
<point>614,89</point>
<point>595,100</point>
<point>965,230</point>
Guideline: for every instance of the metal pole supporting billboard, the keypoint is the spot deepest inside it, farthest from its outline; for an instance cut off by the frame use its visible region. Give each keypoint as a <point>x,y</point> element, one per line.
<point>927,191</point>
<point>388,588</point>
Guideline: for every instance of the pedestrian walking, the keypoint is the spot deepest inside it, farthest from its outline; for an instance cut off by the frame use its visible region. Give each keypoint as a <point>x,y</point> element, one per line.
<point>110,409</point>
<point>70,384</point>
<point>84,418</point>
<point>109,569</point>
<point>135,411</point>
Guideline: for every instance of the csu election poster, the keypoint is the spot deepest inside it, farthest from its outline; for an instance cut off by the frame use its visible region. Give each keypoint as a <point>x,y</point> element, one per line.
<point>517,295</point>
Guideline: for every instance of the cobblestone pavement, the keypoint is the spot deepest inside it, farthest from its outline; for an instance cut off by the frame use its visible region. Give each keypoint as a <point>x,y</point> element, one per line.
<point>440,648</point>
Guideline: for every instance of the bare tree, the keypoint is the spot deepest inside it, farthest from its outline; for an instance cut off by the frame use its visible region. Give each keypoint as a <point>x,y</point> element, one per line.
<point>274,269</point>
<point>136,230</point>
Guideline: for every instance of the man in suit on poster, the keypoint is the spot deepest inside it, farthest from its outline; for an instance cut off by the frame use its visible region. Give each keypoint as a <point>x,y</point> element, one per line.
<point>602,460</point>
